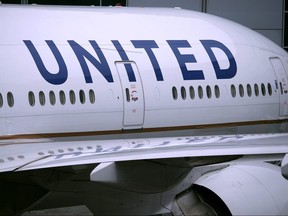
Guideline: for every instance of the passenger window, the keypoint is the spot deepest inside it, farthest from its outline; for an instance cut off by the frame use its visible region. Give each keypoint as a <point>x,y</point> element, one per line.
<point>269,87</point>
<point>241,90</point>
<point>92,96</point>
<point>281,88</point>
<point>52,98</point>
<point>72,97</point>
<point>10,99</point>
<point>31,98</point>
<point>217,91</point>
<point>263,89</point>
<point>249,90</point>
<point>208,91</point>
<point>192,92</point>
<point>127,94</point>
<point>200,92</point>
<point>62,97</point>
<point>1,100</point>
<point>174,93</point>
<point>256,90</point>
<point>82,96</point>
<point>42,98</point>
<point>183,92</point>
<point>233,91</point>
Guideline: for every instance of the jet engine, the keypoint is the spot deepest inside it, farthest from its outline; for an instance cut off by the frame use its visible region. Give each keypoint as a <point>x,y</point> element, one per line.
<point>240,189</point>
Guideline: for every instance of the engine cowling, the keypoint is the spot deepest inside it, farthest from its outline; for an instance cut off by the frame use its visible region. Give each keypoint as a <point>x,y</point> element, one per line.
<point>246,189</point>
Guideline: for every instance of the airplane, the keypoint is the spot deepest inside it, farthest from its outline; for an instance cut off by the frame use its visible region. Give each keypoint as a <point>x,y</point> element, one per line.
<point>140,111</point>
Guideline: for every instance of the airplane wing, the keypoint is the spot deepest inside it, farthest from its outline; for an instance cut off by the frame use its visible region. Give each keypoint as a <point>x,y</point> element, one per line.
<point>45,153</point>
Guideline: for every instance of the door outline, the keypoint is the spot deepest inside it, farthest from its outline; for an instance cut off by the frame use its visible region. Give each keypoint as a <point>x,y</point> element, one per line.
<point>282,85</point>
<point>133,96</point>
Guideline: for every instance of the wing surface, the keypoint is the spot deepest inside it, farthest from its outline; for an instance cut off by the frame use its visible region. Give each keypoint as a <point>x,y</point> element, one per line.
<point>45,153</point>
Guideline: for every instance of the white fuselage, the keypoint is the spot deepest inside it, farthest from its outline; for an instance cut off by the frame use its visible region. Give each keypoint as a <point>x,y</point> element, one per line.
<point>109,69</point>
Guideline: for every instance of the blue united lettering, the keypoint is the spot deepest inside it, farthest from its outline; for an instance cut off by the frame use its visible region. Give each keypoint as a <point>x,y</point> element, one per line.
<point>101,64</point>
<point>227,73</point>
<point>124,57</point>
<point>54,78</point>
<point>185,58</point>
<point>148,46</point>
<point>98,59</point>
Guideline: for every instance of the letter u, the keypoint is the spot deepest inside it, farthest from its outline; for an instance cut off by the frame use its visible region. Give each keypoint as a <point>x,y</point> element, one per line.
<point>53,78</point>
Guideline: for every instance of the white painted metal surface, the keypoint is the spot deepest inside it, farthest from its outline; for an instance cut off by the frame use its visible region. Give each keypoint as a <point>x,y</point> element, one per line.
<point>59,80</point>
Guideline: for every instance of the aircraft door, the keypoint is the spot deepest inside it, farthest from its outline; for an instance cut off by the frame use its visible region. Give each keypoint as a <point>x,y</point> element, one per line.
<point>282,81</point>
<point>133,96</point>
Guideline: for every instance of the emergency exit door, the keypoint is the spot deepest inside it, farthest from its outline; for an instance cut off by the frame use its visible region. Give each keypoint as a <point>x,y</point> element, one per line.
<point>282,82</point>
<point>133,96</point>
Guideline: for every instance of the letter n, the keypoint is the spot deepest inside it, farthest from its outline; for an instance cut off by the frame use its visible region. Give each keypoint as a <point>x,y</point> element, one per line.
<point>101,65</point>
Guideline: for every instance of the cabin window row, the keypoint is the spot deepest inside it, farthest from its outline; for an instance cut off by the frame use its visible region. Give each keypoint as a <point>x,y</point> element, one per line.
<point>9,98</point>
<point>62,97</point>
<point>195,92</point>
<point>249,90</point>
